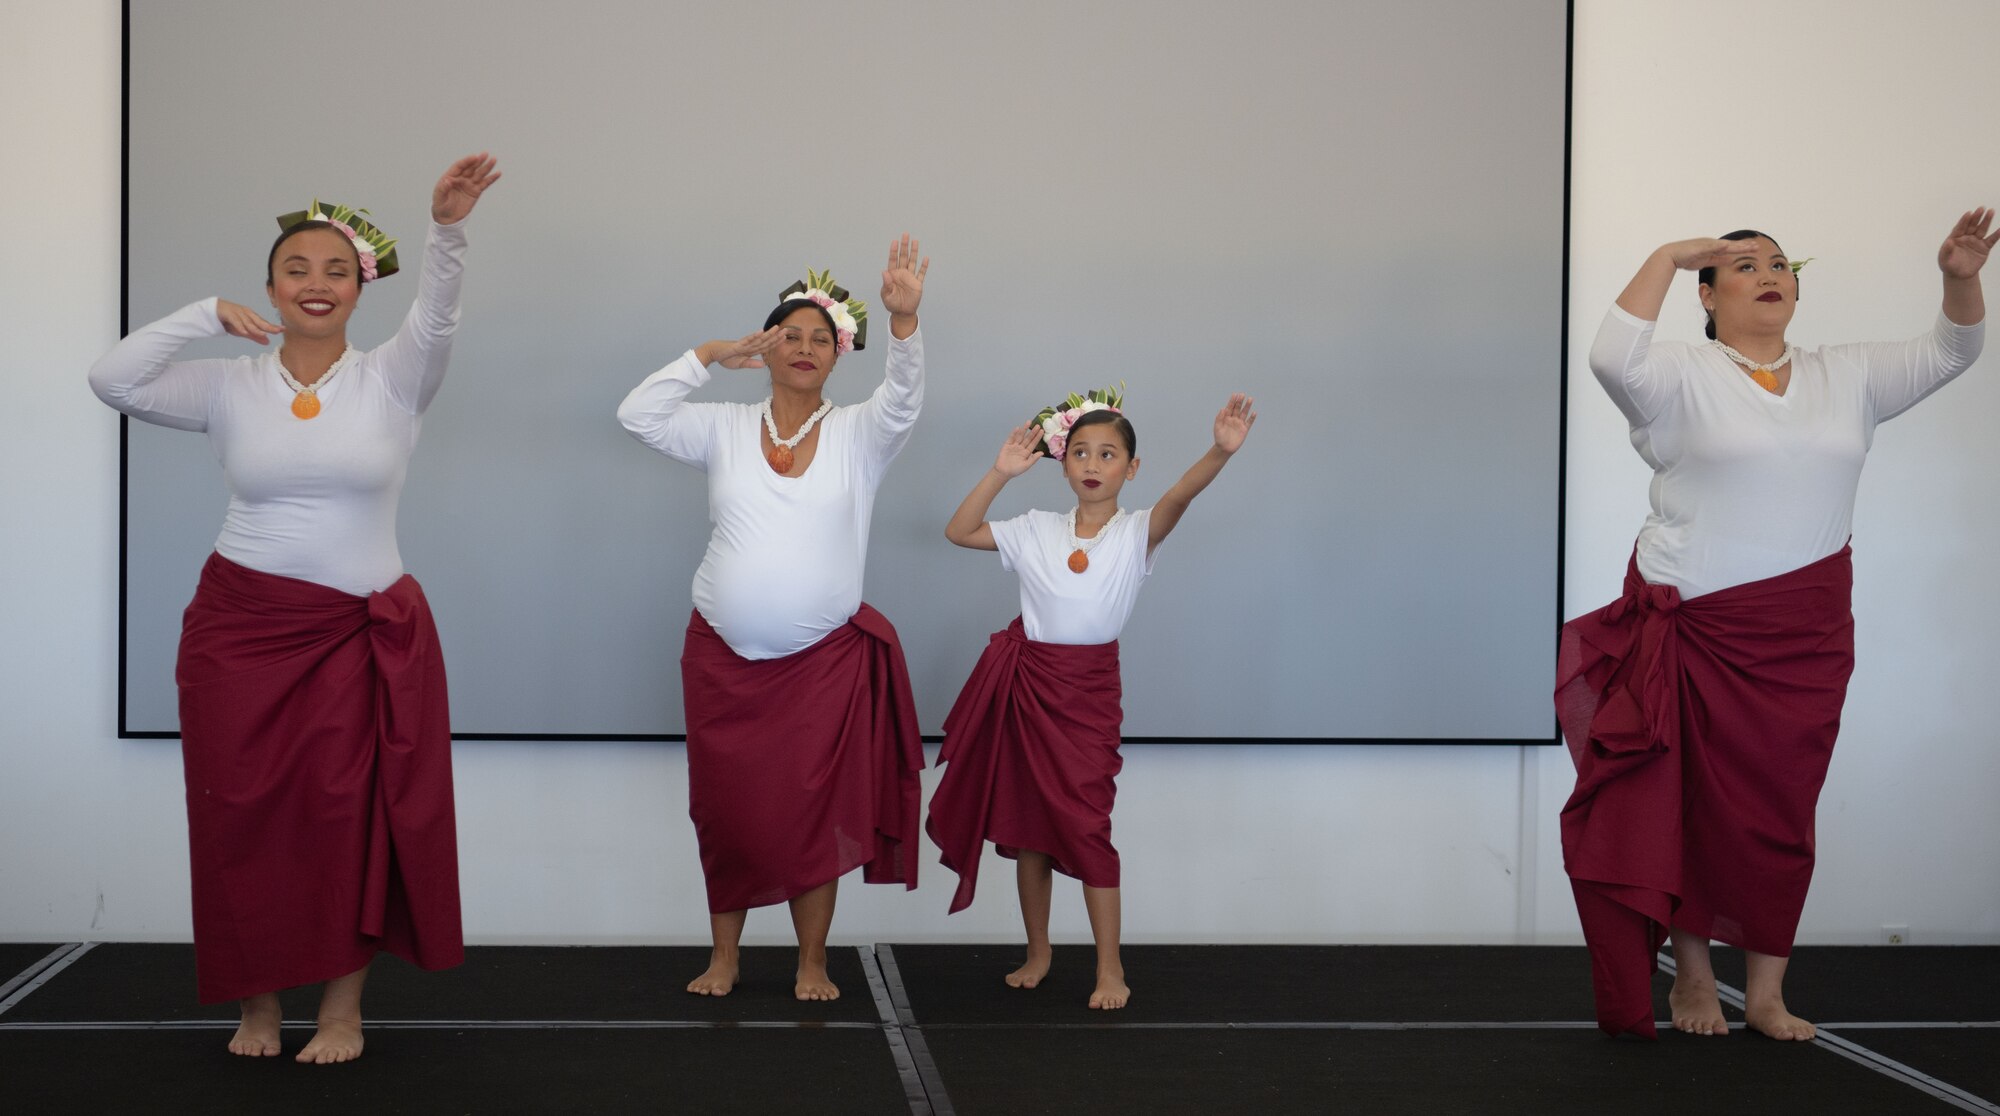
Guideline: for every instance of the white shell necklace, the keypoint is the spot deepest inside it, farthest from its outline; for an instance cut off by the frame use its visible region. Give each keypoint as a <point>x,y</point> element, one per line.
<point>1766,375</point>
<point>1079,549</point>
<point>305,397</point>
<point>780,455</point>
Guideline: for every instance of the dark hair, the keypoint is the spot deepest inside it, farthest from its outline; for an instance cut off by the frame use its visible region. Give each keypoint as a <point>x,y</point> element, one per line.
<point>1707,274</point>
<point>784,310</point>
<point>1118,422</point>
<point>270,262</point>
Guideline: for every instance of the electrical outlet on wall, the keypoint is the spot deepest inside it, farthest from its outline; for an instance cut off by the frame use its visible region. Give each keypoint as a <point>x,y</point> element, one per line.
<point>1893,934</point>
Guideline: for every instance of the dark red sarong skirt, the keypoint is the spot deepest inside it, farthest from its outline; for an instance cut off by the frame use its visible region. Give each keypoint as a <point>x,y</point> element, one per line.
<point>803,768</point>
<point>1701,732</point>
<point>1031,760</point>
<point>317,744</point>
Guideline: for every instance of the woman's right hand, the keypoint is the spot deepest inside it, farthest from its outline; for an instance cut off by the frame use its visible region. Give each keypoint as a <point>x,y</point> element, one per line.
<point>745,352</point>
<point>1018,453</point>
<point>1705,251</point>
<point>239,320</point>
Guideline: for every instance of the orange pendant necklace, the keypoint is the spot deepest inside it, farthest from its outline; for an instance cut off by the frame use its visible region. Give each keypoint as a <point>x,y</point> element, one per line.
<point>1763,375</point>
<point>1080,548</point>
<point>305,397</point>
<point>780,455</point>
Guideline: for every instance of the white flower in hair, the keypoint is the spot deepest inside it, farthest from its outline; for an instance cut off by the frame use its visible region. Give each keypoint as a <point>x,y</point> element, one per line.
<point>1055,420</point>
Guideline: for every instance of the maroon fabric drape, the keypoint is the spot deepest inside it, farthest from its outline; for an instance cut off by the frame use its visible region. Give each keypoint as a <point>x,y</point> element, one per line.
<point>317,745</point>
<point>1031,760</point>
<point>803,768</point>
<point>1701,731</point>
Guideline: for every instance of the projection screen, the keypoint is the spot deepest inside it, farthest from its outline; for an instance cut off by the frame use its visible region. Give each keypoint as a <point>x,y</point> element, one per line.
<point>1351,210</point>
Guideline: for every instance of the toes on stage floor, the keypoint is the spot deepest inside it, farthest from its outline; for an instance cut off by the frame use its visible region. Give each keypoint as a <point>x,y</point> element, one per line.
<point>935,1029</point>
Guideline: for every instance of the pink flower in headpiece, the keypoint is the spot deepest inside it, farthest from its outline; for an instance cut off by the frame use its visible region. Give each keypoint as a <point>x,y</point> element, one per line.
<point>844,325</point>
<point>1056,443</point>
<point>361,251</point>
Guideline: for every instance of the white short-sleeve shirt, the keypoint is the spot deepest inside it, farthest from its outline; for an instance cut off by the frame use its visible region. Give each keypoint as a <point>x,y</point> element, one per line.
<point>1059,605</point>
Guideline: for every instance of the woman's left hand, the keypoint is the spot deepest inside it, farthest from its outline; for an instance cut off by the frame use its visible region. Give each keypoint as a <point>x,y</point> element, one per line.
<point>1233,422</point>
<point>458,191</point>
<point>1965,250</point>
<point>903,279</point>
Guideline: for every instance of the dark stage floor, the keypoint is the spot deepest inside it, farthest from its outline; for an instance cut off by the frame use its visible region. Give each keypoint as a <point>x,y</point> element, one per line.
<point>931,1029</point>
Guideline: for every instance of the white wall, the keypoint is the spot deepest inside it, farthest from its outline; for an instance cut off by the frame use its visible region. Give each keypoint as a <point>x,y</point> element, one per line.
<point>590,843</point>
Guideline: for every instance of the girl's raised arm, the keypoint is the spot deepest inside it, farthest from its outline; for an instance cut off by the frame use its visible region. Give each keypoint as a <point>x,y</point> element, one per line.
<point>968,527</point>
<point>1232,426</point>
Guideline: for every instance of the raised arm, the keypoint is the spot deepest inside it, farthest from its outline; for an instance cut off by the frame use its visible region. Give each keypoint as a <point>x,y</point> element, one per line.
<point>653,411</point>
<point>1232,426</point>
<point>891,412</point>
<point>413,361</point>
<point>968,527</point>
<point>1901,373</point>
<point>1647,292</point>
<point>140,377</point>
<point>1963,253</point>
<point>1621,357</point>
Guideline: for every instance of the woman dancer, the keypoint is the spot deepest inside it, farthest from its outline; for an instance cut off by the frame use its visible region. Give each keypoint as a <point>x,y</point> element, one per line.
<point>1031,745</point>
<point>1701,707</point>
<point>803,750</point>
<point>314,727</point>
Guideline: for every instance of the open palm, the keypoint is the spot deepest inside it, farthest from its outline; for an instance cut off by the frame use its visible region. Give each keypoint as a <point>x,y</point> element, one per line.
<point>458,191</point>
<point>903,279</point>
<point>1971,240</point>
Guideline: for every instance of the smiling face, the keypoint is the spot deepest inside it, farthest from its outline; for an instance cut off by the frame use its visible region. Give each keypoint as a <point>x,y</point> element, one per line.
<point>806,350</point>
<point>1096,463</point>
<point>1752,293</point>
<point>315,283</point>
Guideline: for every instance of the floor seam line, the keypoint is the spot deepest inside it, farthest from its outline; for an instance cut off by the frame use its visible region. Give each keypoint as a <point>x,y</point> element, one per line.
<point>914,1092</point>
<point>884,956</point>
<point>36,966</point>
<point>48,968</point>
<point>1862,1056</point>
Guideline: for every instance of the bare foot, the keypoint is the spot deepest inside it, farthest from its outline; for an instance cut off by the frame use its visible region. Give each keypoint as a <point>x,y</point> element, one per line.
<point>257,1035</point>
<point>337,1040</point>
<point>1697,1009</point>
<point>1033,969</point>
<point>813,983</point>
<point>1769,1017</point>
<point>1111,992</point>
<point>719,980</point>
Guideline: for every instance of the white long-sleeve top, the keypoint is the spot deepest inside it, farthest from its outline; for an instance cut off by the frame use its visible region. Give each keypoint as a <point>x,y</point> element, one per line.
<point>313,499</point>
<point>786,555</point>
<point>1059,605</point>
<point>1747,484</point>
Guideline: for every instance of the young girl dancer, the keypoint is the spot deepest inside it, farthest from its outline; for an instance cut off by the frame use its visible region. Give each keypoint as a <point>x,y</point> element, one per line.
<point>1031,746</point>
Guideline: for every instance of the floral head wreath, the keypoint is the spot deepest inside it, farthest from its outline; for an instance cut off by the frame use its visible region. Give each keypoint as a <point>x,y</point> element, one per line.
<point>1056,419</point>
<point>850,315</point>
<point>376,248</point>
<point>1798,264</point>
